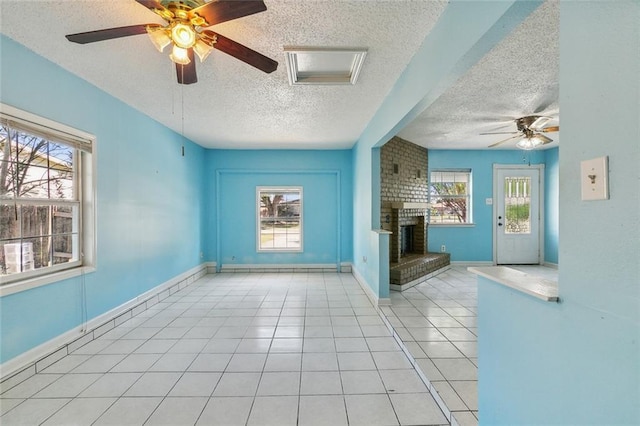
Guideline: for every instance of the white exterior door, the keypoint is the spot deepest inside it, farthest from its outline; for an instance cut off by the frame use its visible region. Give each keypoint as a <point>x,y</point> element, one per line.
<point>517,214</point>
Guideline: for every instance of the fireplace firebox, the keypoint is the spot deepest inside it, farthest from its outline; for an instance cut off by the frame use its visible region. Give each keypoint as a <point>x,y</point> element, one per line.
<point>407,239</point>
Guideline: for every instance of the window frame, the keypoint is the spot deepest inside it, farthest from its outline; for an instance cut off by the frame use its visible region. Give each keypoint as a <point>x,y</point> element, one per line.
<point>468,195</point>
<point>259,220</point>
<point>84,149</point>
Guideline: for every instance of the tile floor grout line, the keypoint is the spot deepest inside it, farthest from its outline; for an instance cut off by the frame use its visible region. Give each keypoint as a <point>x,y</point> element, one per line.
<point>432,387</point>
<point>465,299</point>
<point>358,311</point>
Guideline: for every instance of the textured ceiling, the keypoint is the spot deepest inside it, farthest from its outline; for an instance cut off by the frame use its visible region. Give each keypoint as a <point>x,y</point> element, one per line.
<point>518,77</point>
<point>236,106</point>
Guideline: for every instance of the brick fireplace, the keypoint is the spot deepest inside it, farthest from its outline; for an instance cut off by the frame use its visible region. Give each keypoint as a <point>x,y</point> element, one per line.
<point>402,217</point>
<point>404,212</point>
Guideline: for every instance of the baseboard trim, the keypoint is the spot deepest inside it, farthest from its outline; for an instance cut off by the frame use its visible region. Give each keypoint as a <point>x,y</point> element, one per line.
<point>416,366</point>
<point>375,300</point>
<point>465,263</point>
<point>211,267</point>
<point>280,267</point>
<point>490,263</point>
<point>346,267</point>
<point>384,301</point>
<point>37,359</point>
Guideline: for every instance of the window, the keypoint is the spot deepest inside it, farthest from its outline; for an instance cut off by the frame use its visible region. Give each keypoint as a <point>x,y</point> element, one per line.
<point>42,195</point>
<point>279,219</point>
<point>450,197</point>
<point>517,200</point>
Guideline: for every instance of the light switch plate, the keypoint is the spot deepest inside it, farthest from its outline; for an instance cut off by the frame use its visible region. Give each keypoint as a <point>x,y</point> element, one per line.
<point>594,178</point>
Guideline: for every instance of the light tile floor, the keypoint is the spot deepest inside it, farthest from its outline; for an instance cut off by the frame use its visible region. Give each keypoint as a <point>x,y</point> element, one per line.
<point>436,321</point>
<point>261,349</point>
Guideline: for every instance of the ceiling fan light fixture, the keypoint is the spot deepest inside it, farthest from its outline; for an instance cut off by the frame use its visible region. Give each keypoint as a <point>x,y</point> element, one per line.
<point>180,56</point>
<point>183,35</point>
<point>159,37</point>
<point>529,143</point>
<point>183,29</point>
<point>202,49</point>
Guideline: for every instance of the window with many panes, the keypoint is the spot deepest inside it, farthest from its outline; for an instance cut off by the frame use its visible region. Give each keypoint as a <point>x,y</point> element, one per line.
<point>41,195</point>
<point>450,197</point>
<point>279,212</point>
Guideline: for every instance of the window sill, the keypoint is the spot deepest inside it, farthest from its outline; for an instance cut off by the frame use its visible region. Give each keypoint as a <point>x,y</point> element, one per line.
<point>452,225</point>
<point>35,282</point>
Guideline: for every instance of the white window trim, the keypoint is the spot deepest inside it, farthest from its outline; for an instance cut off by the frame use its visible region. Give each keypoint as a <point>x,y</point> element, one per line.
<point>260,189</point>
<point>87,222</point>
<point>469,223</point>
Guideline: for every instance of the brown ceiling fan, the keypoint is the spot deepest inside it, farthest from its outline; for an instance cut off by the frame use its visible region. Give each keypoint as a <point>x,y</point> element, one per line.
<point>530,132</point>
<point>186,20</point>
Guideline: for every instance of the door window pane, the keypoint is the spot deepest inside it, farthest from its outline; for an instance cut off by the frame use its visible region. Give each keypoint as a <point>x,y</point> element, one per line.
<point>517,202</point>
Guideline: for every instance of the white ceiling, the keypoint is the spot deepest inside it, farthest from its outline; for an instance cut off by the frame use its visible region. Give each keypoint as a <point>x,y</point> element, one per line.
<point>236,106</point>
<point>518,77</point>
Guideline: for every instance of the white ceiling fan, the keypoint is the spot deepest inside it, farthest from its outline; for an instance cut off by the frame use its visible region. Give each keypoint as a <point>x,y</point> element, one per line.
<point>529,134</point>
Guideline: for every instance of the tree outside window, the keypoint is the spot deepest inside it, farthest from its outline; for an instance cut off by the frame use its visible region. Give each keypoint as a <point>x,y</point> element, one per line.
<point>450,197</point>
<point>279,219</point>
<point>37,226</point>
<point>41,197</point>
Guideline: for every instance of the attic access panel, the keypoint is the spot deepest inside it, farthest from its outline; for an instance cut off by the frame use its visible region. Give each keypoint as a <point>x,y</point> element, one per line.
<point>316,65</point>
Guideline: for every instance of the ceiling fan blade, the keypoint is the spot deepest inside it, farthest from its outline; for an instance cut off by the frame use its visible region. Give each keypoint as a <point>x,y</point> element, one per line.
<point>499,133</point>
<point>505,140</point>
<point>187,73</point>
<point>109,33</point>
<point>544,139</point>
<point>219,11</point>
<point>243,53</point>
<point>157,7</point>
<point>549,129</point>
<point>539,122</point>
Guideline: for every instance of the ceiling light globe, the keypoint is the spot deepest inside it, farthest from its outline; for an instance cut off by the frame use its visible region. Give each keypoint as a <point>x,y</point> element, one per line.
<point>159,37</point>
<point>183,35</point>
<point>525,144</point>
<point>202,49</point>
<point>529,143</point>
<point>180,56</point>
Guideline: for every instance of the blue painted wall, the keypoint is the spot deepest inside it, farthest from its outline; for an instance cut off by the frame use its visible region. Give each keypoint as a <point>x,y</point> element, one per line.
<point>365,241</point>
<point>551,205</point>
<point>474,243</point>
<point>578,362</point>
<point>232,177</point>
<point>149,204</point>
<point>464,33</point>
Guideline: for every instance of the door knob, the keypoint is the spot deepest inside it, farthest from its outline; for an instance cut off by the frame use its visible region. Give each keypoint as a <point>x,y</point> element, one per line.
<point>499,223</point>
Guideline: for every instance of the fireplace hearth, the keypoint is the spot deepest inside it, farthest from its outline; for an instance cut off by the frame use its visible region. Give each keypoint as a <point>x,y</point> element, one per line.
<point>410,263</point>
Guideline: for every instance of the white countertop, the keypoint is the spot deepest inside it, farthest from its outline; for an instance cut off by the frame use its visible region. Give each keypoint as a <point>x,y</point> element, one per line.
<point>530,284</point>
